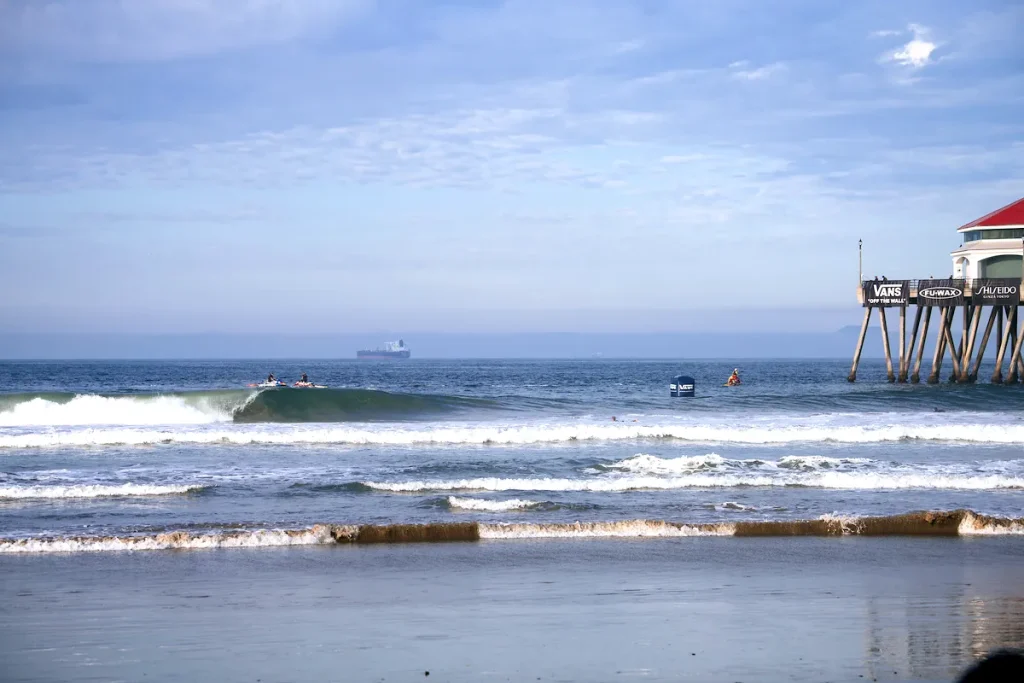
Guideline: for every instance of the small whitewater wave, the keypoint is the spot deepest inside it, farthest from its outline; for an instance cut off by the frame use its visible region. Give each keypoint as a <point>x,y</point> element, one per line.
<point>412,434</point>
<point>733,506</point>
<point>829,480</point>
<point>174,540</point>
<point>652,464</point>
<point>643,463</point>
<point>481,505</point>
<point>945,524</point>
<point>211,407</point>
<point>94,491</point>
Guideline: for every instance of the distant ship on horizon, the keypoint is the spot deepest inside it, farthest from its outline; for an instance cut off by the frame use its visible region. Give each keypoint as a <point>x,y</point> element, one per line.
<point>391,350</point>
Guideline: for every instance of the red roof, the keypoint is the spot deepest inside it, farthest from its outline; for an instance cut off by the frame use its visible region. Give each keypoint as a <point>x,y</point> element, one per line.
<point>1011,214</point>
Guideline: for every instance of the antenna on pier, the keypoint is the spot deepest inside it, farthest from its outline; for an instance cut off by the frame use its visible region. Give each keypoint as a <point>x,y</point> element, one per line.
<point>860,261</point>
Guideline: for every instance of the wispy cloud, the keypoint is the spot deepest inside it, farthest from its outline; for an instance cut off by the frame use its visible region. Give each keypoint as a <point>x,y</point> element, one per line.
<point>115,30</point>
<point>759,74</point>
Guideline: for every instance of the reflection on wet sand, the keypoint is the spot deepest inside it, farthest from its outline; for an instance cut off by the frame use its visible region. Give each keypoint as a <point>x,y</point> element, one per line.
<point>936,638</point>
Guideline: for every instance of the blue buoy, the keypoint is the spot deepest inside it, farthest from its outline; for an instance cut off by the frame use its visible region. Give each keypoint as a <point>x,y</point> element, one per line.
<point>682,387</point>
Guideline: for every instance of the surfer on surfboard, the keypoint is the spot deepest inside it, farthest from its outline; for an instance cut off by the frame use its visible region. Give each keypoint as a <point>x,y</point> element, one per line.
<point>734,379</point>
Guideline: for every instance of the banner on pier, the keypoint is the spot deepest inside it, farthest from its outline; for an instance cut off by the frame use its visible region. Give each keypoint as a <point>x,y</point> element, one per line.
<point>940,293</point>
<point>885,293</point>
<point>995,292</point>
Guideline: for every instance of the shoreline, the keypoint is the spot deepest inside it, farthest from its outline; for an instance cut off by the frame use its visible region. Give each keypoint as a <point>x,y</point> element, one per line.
<point>951,524</point>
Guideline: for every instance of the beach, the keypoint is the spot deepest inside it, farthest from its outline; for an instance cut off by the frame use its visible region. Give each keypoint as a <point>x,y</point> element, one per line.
<point>702,609</point>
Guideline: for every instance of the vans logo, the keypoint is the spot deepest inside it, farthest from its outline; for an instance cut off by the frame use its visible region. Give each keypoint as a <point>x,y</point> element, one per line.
<point>888,290</point>
<point>941,292</point>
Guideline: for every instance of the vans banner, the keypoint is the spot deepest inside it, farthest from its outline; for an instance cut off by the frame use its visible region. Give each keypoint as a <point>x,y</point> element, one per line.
<point>887,293</point>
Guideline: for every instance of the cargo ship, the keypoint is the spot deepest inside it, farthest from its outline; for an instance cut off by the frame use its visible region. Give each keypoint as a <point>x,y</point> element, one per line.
<point>390,351</point>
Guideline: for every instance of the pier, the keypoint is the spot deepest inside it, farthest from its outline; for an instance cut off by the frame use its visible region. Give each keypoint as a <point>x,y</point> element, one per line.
<point>988,274</point>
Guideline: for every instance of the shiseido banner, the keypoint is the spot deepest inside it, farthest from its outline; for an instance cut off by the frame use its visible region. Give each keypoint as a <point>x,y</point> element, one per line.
<point>996,292</point>
<point>940,292</point>
<point>887,293</point>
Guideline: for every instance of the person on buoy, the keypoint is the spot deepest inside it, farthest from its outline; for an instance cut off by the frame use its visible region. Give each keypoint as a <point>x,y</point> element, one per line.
<point>734,379</point>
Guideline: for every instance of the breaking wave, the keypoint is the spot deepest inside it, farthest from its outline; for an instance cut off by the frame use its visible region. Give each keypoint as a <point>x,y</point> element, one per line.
<point>210,407</point>
<point>423,433</point>
<point>93,491</point>
<point>944,524</point>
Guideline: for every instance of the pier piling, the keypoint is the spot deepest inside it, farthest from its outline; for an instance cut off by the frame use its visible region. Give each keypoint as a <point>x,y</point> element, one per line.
<point>940,343</point>
<point>885,345</point>
<point>915,377</point>
<point>973,377</point>
<point>972,336</point>
<point>1014,344</point>
<point>852,377</point>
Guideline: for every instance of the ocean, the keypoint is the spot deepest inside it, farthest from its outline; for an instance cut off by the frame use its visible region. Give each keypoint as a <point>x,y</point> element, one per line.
<point>584,473</point>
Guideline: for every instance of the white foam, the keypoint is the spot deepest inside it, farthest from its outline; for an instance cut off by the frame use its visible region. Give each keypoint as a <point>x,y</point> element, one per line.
<point>652,464</point>
<point>790,430</point>
<point>93,491</point>
<point>481,505</point>
<point>829,480</point>
<point>317,535</point>
<point>847,524</point>
<point>733,506</point>
<point>89,409</point>
<point>820,461</point>
<point>628,528</point>
<point>972,525</point>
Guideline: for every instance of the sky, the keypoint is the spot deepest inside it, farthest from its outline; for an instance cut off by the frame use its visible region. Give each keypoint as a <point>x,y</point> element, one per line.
<point>186,166</point>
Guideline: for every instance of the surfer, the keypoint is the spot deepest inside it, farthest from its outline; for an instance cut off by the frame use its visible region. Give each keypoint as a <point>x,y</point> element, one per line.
<point>734,379</point>
<point>304,381</point>
<point>271,379</point>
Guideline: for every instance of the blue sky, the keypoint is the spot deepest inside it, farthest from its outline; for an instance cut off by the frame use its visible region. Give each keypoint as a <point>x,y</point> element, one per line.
<point>345,166</point>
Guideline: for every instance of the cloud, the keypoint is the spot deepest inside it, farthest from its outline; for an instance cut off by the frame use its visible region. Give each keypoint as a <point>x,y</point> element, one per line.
<point>758,74</point>
<point>915,54</point>
<point>629,46</point>
<point>885,33</point>
<point>118,30</point>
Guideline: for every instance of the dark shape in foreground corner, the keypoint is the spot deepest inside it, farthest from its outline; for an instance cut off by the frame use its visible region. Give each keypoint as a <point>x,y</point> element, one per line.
<point>1002,666</point>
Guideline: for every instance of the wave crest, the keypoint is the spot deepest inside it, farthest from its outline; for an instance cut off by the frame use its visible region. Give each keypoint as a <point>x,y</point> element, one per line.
<point>480,505</point>
<point>94,491</point>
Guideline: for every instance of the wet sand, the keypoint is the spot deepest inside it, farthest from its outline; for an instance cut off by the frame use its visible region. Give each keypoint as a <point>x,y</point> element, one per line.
<point>699,609</point>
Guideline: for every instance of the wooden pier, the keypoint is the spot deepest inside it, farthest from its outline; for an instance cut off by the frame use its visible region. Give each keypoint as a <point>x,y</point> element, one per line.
<point>946,299</point>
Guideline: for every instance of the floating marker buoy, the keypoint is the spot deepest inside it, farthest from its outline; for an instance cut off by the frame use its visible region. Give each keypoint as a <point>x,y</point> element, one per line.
<point>682,386</point>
